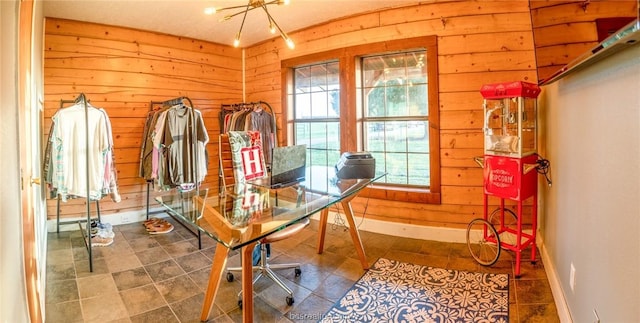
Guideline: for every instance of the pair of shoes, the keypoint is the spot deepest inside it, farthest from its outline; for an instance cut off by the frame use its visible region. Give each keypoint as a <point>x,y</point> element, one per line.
<point>98,241</point>
<point>158,226</point>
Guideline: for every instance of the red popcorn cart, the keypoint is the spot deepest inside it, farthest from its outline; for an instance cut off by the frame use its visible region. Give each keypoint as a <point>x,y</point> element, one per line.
<point>510,165</point>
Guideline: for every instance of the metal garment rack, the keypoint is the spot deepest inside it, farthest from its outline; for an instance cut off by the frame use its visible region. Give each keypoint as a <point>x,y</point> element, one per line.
<point>81,99</point>
<point>172,102</point>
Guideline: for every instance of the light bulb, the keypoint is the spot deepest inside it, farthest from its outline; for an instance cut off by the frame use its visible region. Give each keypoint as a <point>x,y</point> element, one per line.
<point>210,11</point>
<point>290,43</point>
<point>236,42</point>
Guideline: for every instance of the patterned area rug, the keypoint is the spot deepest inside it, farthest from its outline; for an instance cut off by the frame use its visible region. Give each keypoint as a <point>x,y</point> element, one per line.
<point>393,291</point>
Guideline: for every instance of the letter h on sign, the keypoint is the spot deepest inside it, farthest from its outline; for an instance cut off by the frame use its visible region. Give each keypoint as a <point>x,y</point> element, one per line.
<point>252,162</point>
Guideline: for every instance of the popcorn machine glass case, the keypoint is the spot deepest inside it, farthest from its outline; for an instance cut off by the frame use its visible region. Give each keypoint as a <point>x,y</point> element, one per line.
<point>510,119</point>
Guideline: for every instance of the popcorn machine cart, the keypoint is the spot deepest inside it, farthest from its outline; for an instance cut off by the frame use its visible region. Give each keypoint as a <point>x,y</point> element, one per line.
<point>510,164</point>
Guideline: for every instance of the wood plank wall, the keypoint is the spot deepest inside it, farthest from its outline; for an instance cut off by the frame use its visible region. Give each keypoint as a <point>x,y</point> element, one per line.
<point>122,70</point>
<point>478,42</point>
<point>563,30</point>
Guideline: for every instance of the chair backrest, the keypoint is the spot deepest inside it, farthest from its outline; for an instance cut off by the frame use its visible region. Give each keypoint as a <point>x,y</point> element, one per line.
<point>226,161</point>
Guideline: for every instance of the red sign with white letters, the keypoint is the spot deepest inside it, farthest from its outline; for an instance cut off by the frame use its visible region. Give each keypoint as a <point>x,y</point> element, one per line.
<point>252,162</point>
<point>505,177</point>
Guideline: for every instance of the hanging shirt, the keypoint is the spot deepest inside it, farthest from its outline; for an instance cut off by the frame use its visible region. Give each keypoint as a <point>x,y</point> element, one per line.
<point>178,142</point>
<point>75,129</point>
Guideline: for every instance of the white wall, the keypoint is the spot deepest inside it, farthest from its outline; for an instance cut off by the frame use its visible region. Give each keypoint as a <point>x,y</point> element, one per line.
<point>592,211</point>
<point>13,307</point>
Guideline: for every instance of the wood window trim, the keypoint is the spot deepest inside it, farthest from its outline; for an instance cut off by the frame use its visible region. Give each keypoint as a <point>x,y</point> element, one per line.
<point>348,102</point>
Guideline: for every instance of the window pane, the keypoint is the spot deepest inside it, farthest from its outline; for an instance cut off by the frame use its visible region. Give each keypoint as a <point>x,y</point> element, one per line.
<point>395,110</point>
<point>303,106</point>
<point>333,76</point>
<point>302,80</point>
<point>321,101</point>
<point>418,169</point>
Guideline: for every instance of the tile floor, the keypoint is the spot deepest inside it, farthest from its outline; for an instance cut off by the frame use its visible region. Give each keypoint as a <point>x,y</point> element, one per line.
<point>162,278</point>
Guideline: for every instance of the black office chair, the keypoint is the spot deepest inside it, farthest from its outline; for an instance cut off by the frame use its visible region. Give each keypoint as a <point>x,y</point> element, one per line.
<point>263,267</point>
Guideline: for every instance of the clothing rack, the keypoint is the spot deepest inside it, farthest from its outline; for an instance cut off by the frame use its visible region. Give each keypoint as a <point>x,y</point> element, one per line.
<point>172,102</point>
<point>81,99</point>
<point>234,107</point>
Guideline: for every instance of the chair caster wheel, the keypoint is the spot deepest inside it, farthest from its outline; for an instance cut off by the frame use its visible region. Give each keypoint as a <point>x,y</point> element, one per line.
<point>298,272</point>
<point>229,277</point>
<point>290,300</point>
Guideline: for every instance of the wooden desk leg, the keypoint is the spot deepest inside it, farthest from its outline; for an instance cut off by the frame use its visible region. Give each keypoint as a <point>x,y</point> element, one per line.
<point>355,235</point>
<point>247,283</point>
<point>217,267</point>
<point>324,217</point>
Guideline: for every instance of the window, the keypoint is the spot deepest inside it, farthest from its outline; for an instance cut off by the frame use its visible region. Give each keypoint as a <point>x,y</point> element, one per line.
<point>316,116</point>
<point>396,116</point>
<point>379,97</point>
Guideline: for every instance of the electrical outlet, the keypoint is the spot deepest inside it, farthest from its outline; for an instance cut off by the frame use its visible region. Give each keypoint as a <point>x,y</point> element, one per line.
<point>125,218</point>
<point>572,277</point>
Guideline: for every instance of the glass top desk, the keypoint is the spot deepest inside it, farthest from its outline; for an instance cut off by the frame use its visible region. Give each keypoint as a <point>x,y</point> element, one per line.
<point>242,214</point>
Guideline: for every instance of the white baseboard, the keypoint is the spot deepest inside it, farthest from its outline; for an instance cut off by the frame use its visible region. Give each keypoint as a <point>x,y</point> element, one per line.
<point>113,219</point>
<point>554,281</point>
<point>403,229</point>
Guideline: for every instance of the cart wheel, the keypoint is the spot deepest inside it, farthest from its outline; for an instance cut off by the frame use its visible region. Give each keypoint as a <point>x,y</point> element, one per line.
<point>289,300</point>
<point>240,303</point>
<point>483,242</point>
<point>298,272</point>
<point>510,221</point>
<point>229,277</point>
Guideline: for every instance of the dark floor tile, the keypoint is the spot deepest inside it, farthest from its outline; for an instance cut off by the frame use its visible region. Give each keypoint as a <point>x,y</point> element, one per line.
<point>311,309</point>
<point>164,270</point>
<point>131,278</point>
<point>58,241</point>
<point>262,312</point>
<point>67,312</point>
<point>59,256</point>
<point>107,307</point>
<point>538,313</point>
<point>61,271</point>
<point>177,288</point>
<point>60,291</point>
<point>153,255</point>
<point>531,291</point>
<point>193,262</point>
<point>190,309</point>
<point>142,299</point>
<point>435,248</point>
<point>168,238</point>
<point>162,314</point>
<point>333,287</point>
<point>85,269</point>
<point>179,248</point>
<point>143,243</point>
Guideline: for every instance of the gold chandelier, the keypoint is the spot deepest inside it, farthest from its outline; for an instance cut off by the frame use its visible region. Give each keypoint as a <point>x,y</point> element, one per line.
<point>253,4</point>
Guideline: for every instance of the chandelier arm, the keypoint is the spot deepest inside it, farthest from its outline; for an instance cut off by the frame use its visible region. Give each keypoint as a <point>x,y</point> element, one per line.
<point>229,8</point>
<point>238,13</point>
<point>282,33</point>
<point>243,19</point>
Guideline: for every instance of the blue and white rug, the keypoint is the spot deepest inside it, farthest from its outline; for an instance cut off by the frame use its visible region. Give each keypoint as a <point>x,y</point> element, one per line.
<point>394,291</point>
